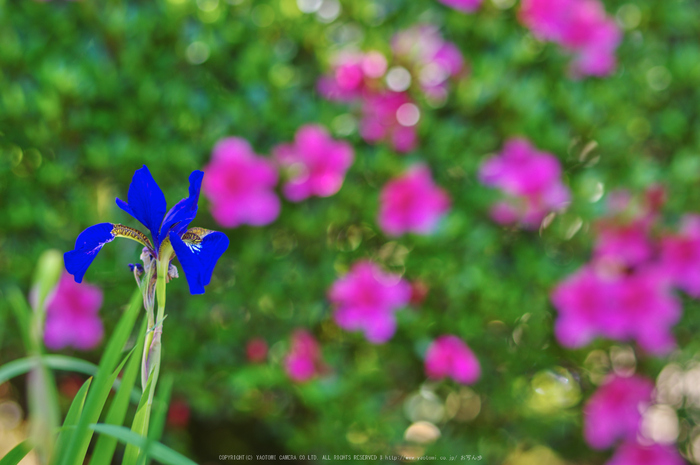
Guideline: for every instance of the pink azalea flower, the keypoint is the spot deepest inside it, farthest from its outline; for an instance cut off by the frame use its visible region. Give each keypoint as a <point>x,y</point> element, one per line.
<point>680,255</point>
<point>352,74</point>
<point>303,362</point>
<point>366,299</point>
<point>581,27</point>
<point>466,6</point>
<point>449,356</point>
<point>613,412</point>
<point>379,120</point>
<point>412,203</point>
<point>71,316</point>
<point>626,245</point>
<point>599,302</point>
<point>316,163</point>
<point>239,184</point>
<point>530,179</point>
<point>632,453</point>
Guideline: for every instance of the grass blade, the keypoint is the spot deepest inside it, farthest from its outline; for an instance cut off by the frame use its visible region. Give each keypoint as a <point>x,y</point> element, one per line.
<point>16,454</point>
<point>139,425</point>
<point>160,412</point>
<point>76,408</point>
<point>159,452</point>
<point>106,445</point>
<point>101,385</point>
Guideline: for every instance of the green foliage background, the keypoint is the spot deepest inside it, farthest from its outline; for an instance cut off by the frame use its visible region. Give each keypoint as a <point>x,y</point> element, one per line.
<point>90,91</point>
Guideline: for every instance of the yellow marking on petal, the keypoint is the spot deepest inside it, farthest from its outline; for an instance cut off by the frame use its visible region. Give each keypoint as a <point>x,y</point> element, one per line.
<point>119,230</point>
<point>195,235</point>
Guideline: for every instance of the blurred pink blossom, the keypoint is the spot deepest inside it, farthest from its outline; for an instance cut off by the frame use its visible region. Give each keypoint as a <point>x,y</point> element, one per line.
<point>449,356</point>
<point>530,179</point>
<point>366,299</point>
<point>596,301</point>
<point>431,59</point>
<point>581,27</point>
<point>680,255</point>
<point>412,203</point>
<point>256,350</point>
<point>466,6</point>
<point>71,315</point>
<point>631,453</point>
<point>303,362</point>
<point>316,163</point>
<point>239,184</point>
<point>380,122</point>
<point>613,412</point>
<point>623,244</point>
<point>352,74</point>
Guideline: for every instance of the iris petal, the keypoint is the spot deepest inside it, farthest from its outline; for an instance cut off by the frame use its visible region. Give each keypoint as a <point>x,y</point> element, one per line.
<point>198,256</point>
<point>146,202</point>
<point>181,215</point>
<point>87,245</point>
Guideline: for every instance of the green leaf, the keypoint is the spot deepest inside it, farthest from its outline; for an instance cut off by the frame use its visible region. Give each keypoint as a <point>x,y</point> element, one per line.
<point>16,454</point>
<point>23,315</point>
<point>104,449</point>
<point>102,383</point>
<point>159,452</point>
<point>160,412</point>
<point>140,424</point>
<point>58,362</point>
<point>76,408</point>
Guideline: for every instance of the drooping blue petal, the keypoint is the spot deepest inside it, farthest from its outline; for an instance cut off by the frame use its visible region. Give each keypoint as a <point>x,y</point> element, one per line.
<point>181,215</point>
<point>146,202</point>
<point>87,245</point>
<point>199,257</point>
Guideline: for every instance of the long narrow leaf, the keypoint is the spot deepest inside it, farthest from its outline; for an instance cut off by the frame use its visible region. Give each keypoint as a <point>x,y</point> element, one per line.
<point>76,408</point>
<point>16,454</point>
<point>101,385</point>
<point>139,425</point>
<point>23,315</point>
<point>58,362</point>
<point>160,412</point>
<point>160,452</point>
<point>104,449</point>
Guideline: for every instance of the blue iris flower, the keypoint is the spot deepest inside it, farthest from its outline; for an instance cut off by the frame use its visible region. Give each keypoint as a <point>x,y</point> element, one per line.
<point>197,249</point>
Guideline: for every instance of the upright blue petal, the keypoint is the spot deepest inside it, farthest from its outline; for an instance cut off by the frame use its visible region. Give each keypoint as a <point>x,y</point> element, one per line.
<point>87,245</point>
<point>146,202</point>
<point>198,259</point>
<point>181,215</point>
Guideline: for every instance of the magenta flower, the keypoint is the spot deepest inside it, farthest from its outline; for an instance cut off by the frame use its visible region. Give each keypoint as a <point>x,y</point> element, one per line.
<point>366,299</point>
<point>632,453</point>
<point>412,203</point>
<point>71,315</point>
<point>466,6</point>
<point>380,120</point>
<point>352,74</point>
<point>680,255</point>
<point>239,184</point>
<point>585,302</point>
<point>596,301</point>
<point>531,181</point>
<point>303,362</point>
<point>449,356</point>
<point>581,27</point>
<point>625,245</point>
<point>613,412</point>
<point>316,163</point>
